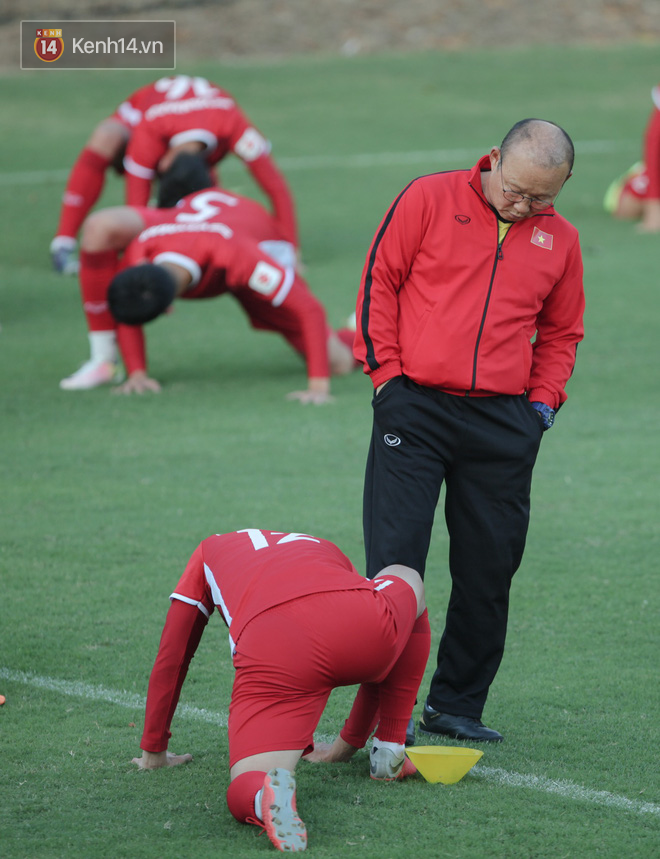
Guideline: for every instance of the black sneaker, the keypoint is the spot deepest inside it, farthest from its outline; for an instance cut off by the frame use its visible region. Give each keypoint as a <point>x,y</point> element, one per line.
<point>458,727</point>
<point>410,732</point>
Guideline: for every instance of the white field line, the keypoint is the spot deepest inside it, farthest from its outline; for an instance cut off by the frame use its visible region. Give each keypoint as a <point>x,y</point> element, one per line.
<point>432,157</point>
<point>131,700</point>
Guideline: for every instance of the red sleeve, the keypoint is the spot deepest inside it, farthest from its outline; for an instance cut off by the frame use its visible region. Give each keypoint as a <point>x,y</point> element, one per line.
<point>277,299</point>
<point>181,635</point>
<point>559,330</point>
<point>144,151</point>
<point>132,347</point>
<point>274,185</point>
<point>388,263</point>
<point>652,155</point>
<point>130,338</point>
<point>305,326</point>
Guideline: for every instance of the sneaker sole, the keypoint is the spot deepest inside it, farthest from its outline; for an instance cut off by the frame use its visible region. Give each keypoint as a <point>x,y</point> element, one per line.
<point>278,809</point>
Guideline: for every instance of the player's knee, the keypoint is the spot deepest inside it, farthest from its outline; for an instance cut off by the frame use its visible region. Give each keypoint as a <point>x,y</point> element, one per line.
<point>412,577</point>
<point>108,139</point>
<point>241,794</point>
<point>95,233</point>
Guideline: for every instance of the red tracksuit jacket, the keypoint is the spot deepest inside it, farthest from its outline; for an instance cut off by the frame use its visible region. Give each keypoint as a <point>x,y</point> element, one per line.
<point>443,302</point>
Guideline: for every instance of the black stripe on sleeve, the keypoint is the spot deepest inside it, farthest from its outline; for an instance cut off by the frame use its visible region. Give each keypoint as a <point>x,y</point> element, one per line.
<point>366,302</point>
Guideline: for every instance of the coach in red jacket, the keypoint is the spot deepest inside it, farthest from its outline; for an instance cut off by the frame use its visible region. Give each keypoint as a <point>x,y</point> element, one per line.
<point>468,319</point>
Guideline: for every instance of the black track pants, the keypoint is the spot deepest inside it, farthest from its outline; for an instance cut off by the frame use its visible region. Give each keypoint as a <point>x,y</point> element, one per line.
<point>484,448</point>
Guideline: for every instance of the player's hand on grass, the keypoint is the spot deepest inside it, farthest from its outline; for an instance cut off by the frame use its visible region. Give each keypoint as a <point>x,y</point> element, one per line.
<point>155,760</point>
<point>328,753</point>
<point>137,383</point>
<point>317,393</point>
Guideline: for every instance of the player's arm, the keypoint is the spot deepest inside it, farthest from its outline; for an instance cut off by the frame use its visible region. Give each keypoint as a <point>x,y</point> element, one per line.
<point>388,262</point>
<point>252,148</point>
<point>132,348</point>
<point>143,153</point>
<point>294,311</point>
<point>559,330</point>
<point>131,342</point>
<point>183,630</point>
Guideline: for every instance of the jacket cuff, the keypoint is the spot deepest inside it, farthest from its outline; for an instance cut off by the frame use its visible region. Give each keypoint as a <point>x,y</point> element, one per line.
<point>543,395</point>
<point>387,371</point>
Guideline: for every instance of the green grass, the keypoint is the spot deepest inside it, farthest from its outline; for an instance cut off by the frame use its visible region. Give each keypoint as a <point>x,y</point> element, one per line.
<point>104,498</point>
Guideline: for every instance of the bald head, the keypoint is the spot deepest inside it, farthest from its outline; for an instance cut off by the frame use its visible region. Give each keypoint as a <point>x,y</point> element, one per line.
<point>541,142</point>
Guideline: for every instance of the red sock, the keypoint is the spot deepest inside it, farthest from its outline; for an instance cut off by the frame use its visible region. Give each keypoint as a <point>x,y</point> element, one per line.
<point>96,273</point>
<point>363,717</point>
<point>241,793</point>
<point>398,690</point>
<point>82,190</point>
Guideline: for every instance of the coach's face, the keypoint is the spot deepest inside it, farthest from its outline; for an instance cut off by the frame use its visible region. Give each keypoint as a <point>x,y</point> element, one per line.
<point>519,187</point>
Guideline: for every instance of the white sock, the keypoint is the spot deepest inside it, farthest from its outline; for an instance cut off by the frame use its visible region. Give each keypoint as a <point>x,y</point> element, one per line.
<point>63,242</point>
<point>397,748</point>
<point>257,803</point>
<point>102,346</point>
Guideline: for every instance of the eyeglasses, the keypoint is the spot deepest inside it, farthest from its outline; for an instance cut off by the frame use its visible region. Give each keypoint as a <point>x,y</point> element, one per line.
<point>516,197</point>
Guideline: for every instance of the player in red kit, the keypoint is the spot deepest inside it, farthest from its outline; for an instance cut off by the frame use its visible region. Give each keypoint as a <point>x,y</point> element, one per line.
<point>301,622</point>
<point>108,232</point>
<point>193,259</point>
<point>214,126</point>
<point>636,194</point>
<point>106,148</point>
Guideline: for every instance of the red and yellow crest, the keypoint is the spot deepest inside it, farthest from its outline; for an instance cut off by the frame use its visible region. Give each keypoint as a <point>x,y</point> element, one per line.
<point>49,45</point>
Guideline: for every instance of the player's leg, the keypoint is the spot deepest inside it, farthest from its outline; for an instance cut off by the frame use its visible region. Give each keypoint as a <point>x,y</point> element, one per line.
<point>411,441</point>
<point>487,511</point>
<point>104,235</point>
<point>624,199</point>
<point>83,189</point>
<point>395,694</point>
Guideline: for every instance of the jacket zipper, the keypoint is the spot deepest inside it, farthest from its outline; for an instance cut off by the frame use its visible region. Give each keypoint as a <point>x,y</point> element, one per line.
<point>498,257</point>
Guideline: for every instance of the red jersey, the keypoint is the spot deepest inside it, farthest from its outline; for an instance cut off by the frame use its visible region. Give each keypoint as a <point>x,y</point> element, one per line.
<point>215,120</point>
<point>249,571</point>
<point>244,216</point>
<point>131,111</point>
<point>444,301</point>
<point>219,260</point>
<point>652,149</point>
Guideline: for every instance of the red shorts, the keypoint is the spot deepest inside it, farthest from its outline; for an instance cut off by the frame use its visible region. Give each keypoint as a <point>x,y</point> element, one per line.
<point>289,659</point>
<point>637,184</point>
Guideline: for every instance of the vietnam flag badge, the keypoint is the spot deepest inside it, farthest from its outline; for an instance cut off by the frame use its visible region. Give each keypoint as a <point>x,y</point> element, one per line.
<point>541,239</point>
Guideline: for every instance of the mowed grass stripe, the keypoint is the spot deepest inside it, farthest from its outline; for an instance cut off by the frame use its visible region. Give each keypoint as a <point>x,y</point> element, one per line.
<point>360,160</point>
<point>504,778</point>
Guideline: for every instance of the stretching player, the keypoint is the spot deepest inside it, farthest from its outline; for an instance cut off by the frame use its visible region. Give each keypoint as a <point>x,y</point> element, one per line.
<point>636,194</point>
<point>203,259</point>
<point>108,232</point>
<point>106,148</point>
<point>301,622</point>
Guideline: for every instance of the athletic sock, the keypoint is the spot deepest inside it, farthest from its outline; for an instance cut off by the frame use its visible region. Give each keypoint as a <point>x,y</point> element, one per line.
<point>82,190</point>
<point>96,273</point>
<point>241,796</point>
<point>102,346</point>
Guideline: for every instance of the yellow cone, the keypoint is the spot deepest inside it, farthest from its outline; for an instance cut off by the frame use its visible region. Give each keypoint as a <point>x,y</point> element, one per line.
<point>447,764</point>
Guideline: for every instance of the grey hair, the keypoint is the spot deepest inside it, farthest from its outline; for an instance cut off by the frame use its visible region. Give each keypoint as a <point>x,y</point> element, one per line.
<point>552,145</point>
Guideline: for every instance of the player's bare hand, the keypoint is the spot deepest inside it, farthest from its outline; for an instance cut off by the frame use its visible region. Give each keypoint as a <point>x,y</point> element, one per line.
<point>156,760</point>
<point>328,753</point>
<point>317,393</point>
<point>137,383</point>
